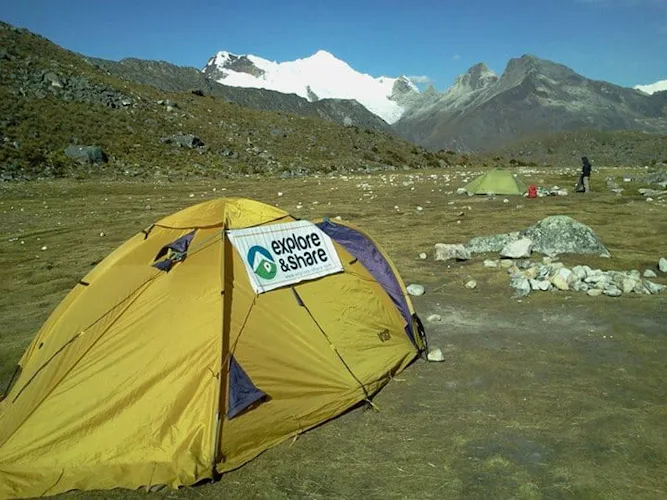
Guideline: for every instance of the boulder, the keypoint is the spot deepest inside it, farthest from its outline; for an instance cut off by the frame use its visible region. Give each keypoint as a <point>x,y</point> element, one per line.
<point>662,264</point>
<point>484,244</point>
<point>415,290</point>
<point>86,154</point>
<point>183,140</point>
<point>554,235</point>
<point>518,249</point>
<point>559,234</point>
<point>446,252</point>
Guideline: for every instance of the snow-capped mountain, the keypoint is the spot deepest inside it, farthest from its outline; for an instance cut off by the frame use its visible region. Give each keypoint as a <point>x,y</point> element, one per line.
<point>653,87</point>
<point>320,76</point>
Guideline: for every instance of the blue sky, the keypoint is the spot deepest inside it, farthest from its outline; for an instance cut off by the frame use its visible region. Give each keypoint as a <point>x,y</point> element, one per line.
<point>621,41</point>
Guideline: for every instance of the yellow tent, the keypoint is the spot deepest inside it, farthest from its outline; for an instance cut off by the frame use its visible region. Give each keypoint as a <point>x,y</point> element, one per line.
<point>205,339</point>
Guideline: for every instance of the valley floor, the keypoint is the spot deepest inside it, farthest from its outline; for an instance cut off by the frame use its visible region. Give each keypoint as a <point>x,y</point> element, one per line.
<point>556,395</point>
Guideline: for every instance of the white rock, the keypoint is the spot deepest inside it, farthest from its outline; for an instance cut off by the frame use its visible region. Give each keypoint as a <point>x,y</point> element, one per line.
<point>612,291</point>
<point>434,318</point>
<point>101,234</point>
<point>44,248</point>
<point>559,282</point>
<point>566,274</point>
<point>415,290</point>
<point>446,252</point>
<point>518,249</point>
<point>506,263</point>
<point>594,292</point>
<point>580,286</point>
<point>654,287</point>
<point>650,274</point>
<point>628,285</point>
<point>491,263</point>
<point>461,191</point>
<point>435,355</point>
<point>506,201</point>
<point>471,284</point>
<point>542,285</point>
<point>547,260</point>
<point>280,193</point>
<point>580,272</point>
<point>422,256</point>
<point>662,264</point>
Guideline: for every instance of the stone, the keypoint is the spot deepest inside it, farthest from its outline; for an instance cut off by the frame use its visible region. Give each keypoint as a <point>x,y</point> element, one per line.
<point>506,263</point>
<point>522,287</point>
<point>434,318</point>
<point>518,249</point>
<point>435,355</point>
<point>461,191</point>
<point>415,290</point>
<point>542,285</point>
<point>628,285</point>
<point>531,272</point>
<point>86,154</point>
<point>662,265</point>
<point>581,272</point>
<point>650,274</point>
<point>580,286</point>
<point>189,141</point>
<point>560,283</point>
<point>491,263</point>
<point>423,256</point>
<point>654,287</point>
<point>612,291</point>
<point>471,284</point>
<point>594,292</point>
<point>447,252</point>
<point>486,244</point>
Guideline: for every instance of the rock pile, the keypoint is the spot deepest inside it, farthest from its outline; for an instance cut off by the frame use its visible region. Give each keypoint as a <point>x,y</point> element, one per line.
<point>527,276</point>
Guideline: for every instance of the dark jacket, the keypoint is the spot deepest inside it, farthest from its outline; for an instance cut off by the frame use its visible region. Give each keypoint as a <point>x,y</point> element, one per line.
<point>586,168</point>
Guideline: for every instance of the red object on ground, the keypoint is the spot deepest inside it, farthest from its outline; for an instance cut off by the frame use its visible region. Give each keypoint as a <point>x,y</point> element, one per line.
<point>532,191</point>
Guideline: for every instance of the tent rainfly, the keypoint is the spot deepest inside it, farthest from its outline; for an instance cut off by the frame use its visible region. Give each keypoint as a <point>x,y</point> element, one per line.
<point>212,335</point>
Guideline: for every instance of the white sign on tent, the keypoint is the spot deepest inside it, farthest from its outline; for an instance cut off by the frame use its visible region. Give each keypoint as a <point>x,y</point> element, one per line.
<point>282,254</point>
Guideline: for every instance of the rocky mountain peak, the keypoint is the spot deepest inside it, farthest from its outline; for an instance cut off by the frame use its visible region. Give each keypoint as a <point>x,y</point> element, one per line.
<point>520,67</point>
<point>477,77</point>
<point>402,87</point>
<point>218,66</point>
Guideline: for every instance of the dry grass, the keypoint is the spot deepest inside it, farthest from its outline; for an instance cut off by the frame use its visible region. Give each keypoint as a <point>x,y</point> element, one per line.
<point>557,396</point>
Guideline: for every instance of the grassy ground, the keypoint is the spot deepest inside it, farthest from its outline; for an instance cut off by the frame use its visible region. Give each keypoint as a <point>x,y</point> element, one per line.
<point>558,395</point>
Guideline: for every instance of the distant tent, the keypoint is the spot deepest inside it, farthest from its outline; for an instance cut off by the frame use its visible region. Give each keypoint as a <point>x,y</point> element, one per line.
<point>496,181</point>
<point>214,334</point>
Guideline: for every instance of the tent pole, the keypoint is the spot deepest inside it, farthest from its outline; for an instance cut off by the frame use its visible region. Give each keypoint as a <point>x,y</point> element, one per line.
<point>227,280</point>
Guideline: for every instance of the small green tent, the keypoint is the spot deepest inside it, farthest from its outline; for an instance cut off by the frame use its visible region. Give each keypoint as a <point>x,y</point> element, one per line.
<point>496,181</point>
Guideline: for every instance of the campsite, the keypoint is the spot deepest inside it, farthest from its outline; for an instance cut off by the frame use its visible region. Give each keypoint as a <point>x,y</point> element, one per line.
<point>536,396</point>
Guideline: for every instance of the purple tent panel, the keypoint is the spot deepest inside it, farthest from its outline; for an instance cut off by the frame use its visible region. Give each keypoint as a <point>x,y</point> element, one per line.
<point>242,392</point>
<point>364,250</point>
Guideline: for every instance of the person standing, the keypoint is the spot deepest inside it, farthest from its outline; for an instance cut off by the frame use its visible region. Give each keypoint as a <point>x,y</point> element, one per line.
<point>586,173</point>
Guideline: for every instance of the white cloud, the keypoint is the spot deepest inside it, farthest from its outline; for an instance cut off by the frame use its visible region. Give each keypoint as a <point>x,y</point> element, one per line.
<point>456,57</point>
<point>420,79</point>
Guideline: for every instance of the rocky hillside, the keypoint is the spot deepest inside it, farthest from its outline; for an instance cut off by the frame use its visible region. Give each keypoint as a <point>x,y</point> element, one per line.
<point>172,78</point>
<point>62,114</point>
<point>482,111</point>
<point>612,148</point>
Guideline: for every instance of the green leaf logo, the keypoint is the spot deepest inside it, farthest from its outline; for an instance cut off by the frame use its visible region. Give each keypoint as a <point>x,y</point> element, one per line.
<point>262,263</point>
